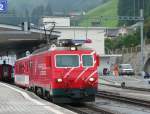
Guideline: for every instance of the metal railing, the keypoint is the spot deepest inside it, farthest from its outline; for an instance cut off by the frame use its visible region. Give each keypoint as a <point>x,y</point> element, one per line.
<point>136,49</point>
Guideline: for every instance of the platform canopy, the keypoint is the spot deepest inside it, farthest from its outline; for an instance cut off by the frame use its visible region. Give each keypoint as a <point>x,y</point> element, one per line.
<point>12,38</point>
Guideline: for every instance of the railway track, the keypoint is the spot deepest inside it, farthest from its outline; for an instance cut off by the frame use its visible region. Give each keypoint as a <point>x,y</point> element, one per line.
<point>118,97</point>
<point>130,88</point>
<point>88,109</point>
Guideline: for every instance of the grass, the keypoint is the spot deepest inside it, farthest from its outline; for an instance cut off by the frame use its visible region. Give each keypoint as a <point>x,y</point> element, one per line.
<point>107,9</point>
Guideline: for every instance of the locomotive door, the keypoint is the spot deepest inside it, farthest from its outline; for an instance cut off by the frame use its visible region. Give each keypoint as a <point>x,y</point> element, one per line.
<point>31,71</point>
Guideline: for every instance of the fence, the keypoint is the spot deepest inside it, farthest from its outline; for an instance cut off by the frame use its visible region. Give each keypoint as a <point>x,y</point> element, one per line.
<point>128,50</point>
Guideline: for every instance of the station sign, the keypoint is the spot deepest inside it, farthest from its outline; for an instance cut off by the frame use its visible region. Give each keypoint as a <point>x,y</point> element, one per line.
<point>3,6</point>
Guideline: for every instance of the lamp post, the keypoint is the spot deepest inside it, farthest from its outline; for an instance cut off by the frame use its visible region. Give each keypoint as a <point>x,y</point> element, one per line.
<point>142,39</point>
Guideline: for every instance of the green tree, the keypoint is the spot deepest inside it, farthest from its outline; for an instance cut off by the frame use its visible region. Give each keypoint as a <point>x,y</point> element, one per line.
<point>127,41</point>
<point>147,28</point>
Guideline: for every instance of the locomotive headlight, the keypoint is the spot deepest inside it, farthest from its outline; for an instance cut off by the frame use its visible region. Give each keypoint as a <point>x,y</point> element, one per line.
<point>73,48</point>
<point>59,80</point>
<point>91,79</point>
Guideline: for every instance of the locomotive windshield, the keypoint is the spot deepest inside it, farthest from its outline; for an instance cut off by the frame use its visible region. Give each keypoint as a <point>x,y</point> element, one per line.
<point>67,60</point>
<point>87,60</point>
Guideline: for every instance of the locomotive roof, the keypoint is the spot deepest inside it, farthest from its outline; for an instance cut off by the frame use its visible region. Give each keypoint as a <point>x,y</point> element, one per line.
<point>48,48</point>
<point>23,58</point>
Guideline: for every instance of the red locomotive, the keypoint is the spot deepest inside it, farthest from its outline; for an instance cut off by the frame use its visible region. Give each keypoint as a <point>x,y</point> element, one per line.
<point>5,72</point>
<point>64,73</point>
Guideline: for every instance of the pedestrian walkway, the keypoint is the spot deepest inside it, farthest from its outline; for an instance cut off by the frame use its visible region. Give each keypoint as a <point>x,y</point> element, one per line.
<point>14,100</point>
<point>130,81</point>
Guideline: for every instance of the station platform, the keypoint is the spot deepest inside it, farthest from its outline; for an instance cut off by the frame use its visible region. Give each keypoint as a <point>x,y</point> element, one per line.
<point>130,81</point>
<point>14,100</point>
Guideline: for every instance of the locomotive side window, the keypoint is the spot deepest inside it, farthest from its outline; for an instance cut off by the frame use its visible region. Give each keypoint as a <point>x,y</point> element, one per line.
<point>87,60</point>
<point>67,60</point>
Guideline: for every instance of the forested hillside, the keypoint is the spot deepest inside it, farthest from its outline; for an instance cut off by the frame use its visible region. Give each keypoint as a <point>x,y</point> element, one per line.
<point>56,5</point>
<point>20,10</point>
<point>132,8</point>
<point>109,8</point>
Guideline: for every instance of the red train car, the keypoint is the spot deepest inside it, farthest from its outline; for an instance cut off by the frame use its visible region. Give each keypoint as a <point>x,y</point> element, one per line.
<point>6,72</point>
<point>21,74</point>
<point>62,74</point>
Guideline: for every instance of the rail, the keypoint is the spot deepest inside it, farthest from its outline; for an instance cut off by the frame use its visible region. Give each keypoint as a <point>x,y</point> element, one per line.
<point>128,87</point>
<point>88,109</point>
<point>118,97</point>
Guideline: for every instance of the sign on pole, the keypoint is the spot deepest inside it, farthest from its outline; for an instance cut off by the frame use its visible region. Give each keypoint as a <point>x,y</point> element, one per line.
<point>3,5</point>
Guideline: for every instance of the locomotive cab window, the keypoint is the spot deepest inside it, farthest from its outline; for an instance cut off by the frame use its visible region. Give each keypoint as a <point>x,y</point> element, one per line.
<point>67,60</point>
<point>87,60</point>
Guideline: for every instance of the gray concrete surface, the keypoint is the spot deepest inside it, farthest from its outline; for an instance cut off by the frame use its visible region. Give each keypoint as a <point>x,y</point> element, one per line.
<point>16,101</point>
<point>130,81</point>
<point>120,108</point>
<point>143,95</point>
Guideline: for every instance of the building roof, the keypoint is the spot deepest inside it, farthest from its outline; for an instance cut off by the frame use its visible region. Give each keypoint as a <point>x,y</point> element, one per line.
<point>13,38</point>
